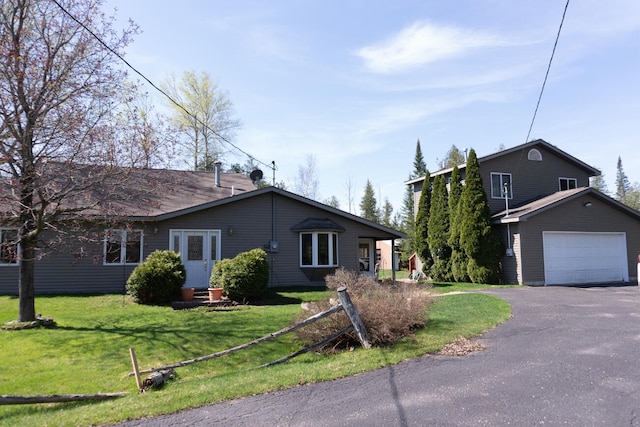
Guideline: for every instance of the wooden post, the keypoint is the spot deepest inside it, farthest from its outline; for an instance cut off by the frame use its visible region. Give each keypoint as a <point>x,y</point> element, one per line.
<point>136,372</point>
<point>353,315</point>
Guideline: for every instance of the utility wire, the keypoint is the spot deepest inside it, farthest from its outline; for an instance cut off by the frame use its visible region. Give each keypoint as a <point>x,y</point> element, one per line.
<point>272,165</point>
<point>547,74</point>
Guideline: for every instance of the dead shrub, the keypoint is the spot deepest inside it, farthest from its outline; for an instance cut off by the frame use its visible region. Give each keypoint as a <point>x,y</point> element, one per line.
<point>389,312</point>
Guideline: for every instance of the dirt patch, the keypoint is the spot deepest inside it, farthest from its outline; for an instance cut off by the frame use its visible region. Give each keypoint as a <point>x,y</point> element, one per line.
<point>461,347</point>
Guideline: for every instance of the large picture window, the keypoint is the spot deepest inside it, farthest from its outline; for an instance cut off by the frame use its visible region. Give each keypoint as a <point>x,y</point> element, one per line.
<point>123,247</point>
<point>318,249</point>
<point>8,247</point>
<point>498,182</point>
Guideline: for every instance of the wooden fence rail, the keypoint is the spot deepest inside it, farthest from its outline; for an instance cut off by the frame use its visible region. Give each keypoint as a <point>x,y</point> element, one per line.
<point>345,304</point>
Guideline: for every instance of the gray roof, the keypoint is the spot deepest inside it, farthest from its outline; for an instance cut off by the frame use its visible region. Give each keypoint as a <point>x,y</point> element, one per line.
<point>538,142</point>
<point>105,191</point>
<point>524,212</point>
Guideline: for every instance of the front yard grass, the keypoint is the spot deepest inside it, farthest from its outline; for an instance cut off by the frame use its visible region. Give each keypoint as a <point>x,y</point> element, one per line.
<point>88,352</point>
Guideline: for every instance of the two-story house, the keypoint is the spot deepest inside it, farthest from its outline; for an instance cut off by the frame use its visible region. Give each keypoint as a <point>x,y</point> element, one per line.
<point>557,230</point>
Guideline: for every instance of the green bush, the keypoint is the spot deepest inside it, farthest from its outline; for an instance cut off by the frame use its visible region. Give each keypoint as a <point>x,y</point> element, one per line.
<point>158,279</point>
<point>245,276</point>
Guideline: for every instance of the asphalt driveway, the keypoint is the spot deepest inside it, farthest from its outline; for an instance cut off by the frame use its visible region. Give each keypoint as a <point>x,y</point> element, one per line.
<point>569,356</point>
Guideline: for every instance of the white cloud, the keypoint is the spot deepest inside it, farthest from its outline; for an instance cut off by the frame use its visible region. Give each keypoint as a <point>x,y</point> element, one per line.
<point>424,43</point>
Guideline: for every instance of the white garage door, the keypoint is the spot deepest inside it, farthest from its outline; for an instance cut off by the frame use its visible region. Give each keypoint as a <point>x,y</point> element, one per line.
<point>571,258</point>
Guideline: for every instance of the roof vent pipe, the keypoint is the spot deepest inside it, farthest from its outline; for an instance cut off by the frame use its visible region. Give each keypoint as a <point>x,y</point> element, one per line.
<point>217,166</point>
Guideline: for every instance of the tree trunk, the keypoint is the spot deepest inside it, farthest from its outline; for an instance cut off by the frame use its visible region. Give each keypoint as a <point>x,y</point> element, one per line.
<point>27,308</point>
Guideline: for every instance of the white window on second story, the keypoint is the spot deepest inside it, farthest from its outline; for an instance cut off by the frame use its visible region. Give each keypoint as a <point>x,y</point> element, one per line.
<point>501,182</point>
<point>123,247</point>
<point>568,183</point>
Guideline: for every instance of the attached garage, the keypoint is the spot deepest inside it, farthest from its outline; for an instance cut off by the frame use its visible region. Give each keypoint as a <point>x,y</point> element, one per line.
<point>583,257</point>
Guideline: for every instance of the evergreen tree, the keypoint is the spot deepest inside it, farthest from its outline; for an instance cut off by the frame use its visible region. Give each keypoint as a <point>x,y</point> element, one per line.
<point>419,166</point>
<point>438,231</point>
<point>622,183</point>
<point>368,204</point>
<point>407,225</point>
<point>459,260</point>
<point>598,183</point>
<point>422,226</point>
<point>387,211</point>
<point>454,157</point>
<point>478,239</point>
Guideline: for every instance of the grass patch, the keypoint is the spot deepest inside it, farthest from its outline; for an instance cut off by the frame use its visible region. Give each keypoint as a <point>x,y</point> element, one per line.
<point>87,352</point>
<point>386,274</point>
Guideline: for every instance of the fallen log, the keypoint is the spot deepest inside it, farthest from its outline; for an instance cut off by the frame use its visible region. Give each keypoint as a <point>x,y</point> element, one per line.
<point>273,335</point>
<point>9,399</point>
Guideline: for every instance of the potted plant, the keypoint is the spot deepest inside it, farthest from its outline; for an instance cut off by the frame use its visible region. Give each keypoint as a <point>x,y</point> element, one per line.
<point>187,294</point>
<point>215,294</point>
<point>216,281</point>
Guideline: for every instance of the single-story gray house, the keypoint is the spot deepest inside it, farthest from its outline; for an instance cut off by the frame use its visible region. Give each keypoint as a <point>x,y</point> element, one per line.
<point>205,216</point>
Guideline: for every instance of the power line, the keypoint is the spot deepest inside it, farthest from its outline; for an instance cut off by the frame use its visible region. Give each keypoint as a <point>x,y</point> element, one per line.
<point>547,74</point>
<point>117,55</point>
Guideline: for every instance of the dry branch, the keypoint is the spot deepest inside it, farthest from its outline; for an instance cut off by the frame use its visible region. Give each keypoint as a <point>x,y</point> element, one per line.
<point>273,335</point>
<point>309,348</point>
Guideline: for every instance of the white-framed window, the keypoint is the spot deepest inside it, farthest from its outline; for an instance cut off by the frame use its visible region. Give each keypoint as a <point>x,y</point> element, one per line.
<point>535,155</point>
<point>500,181</point>
<point>318,249</point>
<point>123,247</point>
<point>567,183</point>
<point>8,246</point>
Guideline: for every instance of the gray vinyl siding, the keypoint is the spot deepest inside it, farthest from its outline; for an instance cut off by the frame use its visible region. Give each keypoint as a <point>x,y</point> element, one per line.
<point>530,179</point>
<point>510,264</point>
<point>73,267</point>
<point>64,271</point>
<point>574,216</point>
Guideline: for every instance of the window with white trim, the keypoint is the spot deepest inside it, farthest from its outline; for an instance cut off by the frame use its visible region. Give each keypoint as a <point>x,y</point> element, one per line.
<point>498,182</point>
<point>123,247</point>
<point>318,249</point>
<point>568,183</point>
<point>8,246</point>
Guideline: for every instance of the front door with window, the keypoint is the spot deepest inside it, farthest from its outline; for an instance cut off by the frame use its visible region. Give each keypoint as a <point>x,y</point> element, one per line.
<point>198,250</point>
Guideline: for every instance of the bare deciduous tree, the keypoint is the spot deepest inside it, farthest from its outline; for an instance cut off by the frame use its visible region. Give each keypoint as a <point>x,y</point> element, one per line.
<point>58,85</point>
<point>306,182</point>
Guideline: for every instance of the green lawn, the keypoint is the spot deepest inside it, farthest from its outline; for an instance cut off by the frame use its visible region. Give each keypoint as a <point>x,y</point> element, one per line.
<point>88,352</point>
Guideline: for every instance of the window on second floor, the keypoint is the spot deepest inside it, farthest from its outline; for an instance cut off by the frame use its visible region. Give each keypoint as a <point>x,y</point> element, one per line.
<point>499,183</point>
<point>123,247</point>
<point>8,246</point>
<point>568,183</point>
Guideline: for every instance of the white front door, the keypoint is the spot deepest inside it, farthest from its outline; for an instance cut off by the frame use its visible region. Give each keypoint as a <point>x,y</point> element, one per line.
<point>198,250</point>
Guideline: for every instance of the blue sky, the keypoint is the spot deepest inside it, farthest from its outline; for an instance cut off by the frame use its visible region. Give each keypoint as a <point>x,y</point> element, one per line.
<point>356,83</point>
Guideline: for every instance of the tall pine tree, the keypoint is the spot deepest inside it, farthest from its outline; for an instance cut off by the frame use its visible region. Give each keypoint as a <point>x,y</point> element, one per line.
<point>368,204</point>
<point>459,259</point>
<point>622,183</point>
<point>438,232</point>
<point>478,239</point>
<point>422,226</point>
<point>419,166</point>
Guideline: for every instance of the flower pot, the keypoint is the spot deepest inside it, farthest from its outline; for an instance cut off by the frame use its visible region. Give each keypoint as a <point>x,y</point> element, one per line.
<point>215,294</point>
<point>187,294</point>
